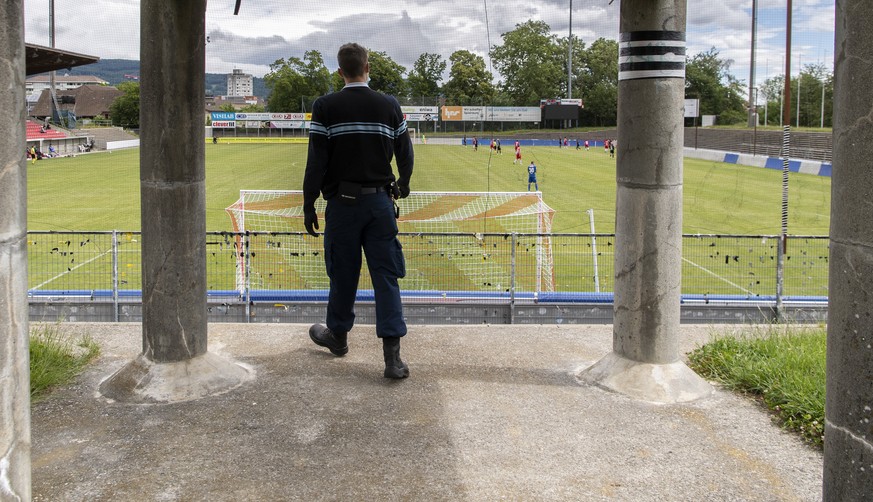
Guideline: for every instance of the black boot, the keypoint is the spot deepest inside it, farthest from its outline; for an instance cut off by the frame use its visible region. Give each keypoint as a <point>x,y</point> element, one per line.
<point>394,367</point>
<point>324,337</point>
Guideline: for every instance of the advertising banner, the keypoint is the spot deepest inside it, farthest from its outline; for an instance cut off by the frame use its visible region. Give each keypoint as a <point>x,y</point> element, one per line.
<point>420,117</point>
<point>251,124</point>
<point>692,107</point>
<point>433,110</point>
<point>512,113</point>
<point>288,124</point>
<point>473,113</point>
<point>290,116</point>
<point>452,113</point>
<point>252,116</point>
<point>223,116</point>
<point>223,124</point>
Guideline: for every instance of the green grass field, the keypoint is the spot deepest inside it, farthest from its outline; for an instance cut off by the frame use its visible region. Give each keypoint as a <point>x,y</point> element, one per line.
<point>101,191</point>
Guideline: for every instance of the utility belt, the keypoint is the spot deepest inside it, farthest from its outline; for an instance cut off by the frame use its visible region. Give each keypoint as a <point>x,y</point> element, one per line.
<point>349,193</point>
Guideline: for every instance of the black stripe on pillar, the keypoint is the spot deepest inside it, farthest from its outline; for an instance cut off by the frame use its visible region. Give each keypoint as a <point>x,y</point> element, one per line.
<point>652,50</point>
<point>637,36</point>
<point>650,65</point>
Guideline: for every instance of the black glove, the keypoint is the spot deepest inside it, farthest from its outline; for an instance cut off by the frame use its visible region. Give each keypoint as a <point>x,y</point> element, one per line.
<point>404,191</point>
<point>395,191</point>
<point>310,221</point>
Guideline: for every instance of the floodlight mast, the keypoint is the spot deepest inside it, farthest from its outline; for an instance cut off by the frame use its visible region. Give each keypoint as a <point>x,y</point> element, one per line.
<point>570,56</point>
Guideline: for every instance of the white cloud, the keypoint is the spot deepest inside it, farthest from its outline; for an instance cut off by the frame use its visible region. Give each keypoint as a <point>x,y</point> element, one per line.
<point>266,30</point>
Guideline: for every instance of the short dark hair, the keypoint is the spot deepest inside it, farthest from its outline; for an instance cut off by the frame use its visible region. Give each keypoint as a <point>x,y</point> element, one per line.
<point>352,58</point>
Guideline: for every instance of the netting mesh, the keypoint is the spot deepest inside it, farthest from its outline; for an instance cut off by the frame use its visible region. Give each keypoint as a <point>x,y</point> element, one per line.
<point>459,222</point>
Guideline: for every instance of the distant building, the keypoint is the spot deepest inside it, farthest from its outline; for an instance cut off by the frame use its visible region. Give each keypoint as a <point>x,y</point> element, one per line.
<point>38,83</point>
<point>218,103</point>
<point>240,84</point>
<point>85,102</point>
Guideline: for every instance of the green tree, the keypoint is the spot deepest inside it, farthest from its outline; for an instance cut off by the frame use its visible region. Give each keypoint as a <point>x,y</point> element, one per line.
<point>598,82</point>
<point>770,93</point>
<point>531,62</point>
<point>252,109</point>
<point>426,75</point>
<point>290,80</point>
<point>814,78</point>
<point>707,77</point>
<point>124,111</point>
<point>469,82</point>
<point>386,75</point>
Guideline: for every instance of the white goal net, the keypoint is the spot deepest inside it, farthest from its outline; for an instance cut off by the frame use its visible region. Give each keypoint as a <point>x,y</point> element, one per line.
<point>444,234</point>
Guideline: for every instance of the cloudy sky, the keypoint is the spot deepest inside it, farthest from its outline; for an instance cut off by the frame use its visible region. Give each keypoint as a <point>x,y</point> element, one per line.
<point>266,30</point>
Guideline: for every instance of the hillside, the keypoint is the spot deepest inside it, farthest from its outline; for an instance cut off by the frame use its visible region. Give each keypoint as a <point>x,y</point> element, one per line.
<point>116,71</point>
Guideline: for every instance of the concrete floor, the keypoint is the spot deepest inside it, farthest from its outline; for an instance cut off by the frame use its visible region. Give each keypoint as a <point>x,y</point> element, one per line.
<point>488,413</point>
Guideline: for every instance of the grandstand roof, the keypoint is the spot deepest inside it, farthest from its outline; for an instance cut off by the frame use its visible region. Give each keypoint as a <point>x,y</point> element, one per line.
<point>70,79</point>
<point>41,59</point>
<point>85,101</point>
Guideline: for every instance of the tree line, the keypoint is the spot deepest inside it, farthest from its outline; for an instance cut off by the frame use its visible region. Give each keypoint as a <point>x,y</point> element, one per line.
<point>533,63</point>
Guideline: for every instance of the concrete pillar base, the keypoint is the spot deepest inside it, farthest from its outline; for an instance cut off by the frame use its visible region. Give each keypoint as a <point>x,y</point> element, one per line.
<point>143,381</point>
<point>657,383</point>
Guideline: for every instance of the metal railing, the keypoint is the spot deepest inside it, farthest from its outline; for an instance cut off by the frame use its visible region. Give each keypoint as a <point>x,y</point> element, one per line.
<point>491,268</point>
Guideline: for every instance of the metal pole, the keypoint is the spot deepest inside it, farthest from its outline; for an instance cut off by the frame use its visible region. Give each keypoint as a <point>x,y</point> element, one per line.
<point>786,152</point>
<point>799,78</point>
<point>53,74</point>
<point>594,251</point>
<point>115,276</point>
<point>513,243</point>
<point>766,72</point>
<point>755,133</point>
<point>752,64</point>
<point>782,96</point>
<point>822,104</point>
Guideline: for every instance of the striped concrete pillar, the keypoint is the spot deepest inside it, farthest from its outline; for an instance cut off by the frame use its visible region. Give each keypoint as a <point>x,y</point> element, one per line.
<point>14,335</point>
<point>645,362</point>
<point>175,364</point>
<point>848,443</point>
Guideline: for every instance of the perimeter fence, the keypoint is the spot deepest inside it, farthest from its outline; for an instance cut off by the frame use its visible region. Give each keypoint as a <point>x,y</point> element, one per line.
<point>279,277</point>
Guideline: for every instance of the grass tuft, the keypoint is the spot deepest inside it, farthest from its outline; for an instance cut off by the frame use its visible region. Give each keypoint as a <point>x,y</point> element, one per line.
<point>784,366</point>
<point>56,359</point>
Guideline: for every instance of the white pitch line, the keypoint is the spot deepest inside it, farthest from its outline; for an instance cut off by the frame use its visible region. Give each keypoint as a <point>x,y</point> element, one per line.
<point>69,271</point>
<point>710,272</point>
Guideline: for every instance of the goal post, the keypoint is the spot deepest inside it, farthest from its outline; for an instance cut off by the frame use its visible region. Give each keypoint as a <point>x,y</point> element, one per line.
<point>458,224</point>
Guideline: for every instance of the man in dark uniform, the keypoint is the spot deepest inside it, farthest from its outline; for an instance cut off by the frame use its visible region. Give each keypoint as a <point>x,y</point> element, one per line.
<point>353,136</point>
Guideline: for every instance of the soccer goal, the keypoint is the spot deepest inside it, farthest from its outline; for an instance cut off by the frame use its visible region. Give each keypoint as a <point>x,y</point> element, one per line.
<point>442,232</point>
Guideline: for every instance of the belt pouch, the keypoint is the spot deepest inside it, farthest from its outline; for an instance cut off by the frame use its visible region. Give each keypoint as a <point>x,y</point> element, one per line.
<point>349,193</point>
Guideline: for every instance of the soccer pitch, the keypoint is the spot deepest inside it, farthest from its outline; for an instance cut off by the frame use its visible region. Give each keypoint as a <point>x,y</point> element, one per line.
<point>100,191</point>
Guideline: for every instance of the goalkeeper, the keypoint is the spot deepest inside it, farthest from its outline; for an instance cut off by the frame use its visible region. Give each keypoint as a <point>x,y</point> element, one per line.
<point>353,136</point>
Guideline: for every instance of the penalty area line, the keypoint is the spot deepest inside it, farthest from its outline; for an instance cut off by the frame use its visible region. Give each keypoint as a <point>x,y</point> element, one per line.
<point>70,271</point>
<point>710,272</point>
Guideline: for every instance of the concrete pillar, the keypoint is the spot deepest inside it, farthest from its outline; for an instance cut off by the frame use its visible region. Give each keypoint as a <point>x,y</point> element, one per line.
<point>645,362</point>
<point>14,333</point>
<point>848,443</point>
<point>173,198</point>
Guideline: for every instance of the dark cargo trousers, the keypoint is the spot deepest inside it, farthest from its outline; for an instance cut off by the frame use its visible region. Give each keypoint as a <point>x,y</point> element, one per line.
<point>370,224</point>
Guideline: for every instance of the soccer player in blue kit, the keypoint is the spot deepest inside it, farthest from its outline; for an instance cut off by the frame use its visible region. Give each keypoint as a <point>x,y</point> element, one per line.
<point>532,176</point>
